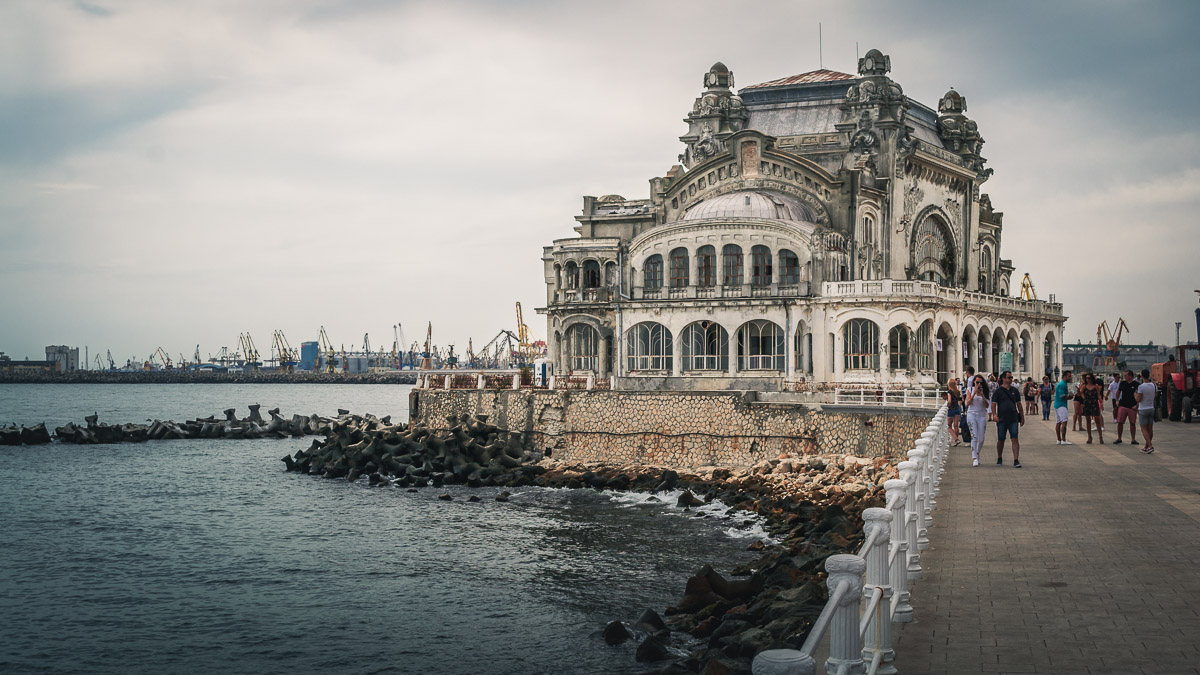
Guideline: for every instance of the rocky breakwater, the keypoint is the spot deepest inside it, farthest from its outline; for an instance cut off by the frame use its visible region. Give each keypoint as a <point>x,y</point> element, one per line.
<point>94,432</point>
<point>470,451</point>
<point>812,508</point>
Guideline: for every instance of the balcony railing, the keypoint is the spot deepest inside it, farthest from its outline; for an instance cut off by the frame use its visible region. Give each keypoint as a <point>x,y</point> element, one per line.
<point>892,288</point>
<point>795,290</point>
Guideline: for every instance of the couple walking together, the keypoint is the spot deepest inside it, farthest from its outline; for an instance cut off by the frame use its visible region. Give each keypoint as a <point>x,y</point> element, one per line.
<point>1004,401</point>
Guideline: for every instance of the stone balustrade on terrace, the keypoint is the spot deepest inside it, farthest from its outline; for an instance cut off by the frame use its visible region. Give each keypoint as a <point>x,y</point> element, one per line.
<point>895,290</point>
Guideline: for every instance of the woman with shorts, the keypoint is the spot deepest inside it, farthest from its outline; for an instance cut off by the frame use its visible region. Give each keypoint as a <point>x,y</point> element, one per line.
<point>1030,394</point>
<point>977,403</point>
<point>953,409</point>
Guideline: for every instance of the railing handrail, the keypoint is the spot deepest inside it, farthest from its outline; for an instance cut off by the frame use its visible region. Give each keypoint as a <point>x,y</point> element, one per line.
<point>879,577</point>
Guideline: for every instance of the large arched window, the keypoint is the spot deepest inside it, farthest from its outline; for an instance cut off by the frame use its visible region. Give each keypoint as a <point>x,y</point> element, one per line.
<point>652,273</point>
<point>582,348</point>
<point>898,338</point>
<point>789,268</point>
<point>679,268</point>
<point>760,266</point>
<point>760,346</point>
<point>862,344</point>
<point>649,346</point>
<point>572,274</point>
<point>591,274</point>
<point>705,347</point>
<point>933,256</point>
<point>706,266</point>
<point>923,349</point>
<point>731,260</point>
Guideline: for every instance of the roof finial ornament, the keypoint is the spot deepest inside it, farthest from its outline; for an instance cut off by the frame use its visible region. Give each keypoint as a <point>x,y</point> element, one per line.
<point>874,63</point>
<point>952,103</point>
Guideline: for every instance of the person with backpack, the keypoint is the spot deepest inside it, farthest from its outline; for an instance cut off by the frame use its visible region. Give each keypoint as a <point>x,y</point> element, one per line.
<point>1006,401</point>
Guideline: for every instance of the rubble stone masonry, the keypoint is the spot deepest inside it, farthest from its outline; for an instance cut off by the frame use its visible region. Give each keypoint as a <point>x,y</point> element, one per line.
<point>675,429</point>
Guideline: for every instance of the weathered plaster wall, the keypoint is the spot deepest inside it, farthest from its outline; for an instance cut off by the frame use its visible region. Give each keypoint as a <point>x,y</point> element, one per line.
<point>677,429</point>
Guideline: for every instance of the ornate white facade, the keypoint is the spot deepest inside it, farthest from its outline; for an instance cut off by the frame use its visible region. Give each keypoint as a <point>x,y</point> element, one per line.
<point>820,228</point>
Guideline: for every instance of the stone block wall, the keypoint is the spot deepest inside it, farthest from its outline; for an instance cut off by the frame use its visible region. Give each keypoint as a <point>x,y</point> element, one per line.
<point>683,430</point>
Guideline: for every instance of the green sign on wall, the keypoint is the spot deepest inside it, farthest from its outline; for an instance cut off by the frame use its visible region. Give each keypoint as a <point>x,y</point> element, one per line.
<point>1006,361</point>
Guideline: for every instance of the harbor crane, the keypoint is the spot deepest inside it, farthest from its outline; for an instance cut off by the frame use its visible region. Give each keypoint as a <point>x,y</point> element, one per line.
<point>249,350</point>
<point>99,364</point>
<point>325,349</point>
<point>163,358</point>
<point>285,357</point>
<point>1027,291</point>
<point>112,365</point>
<point>427,355</point>
<point>1110,345</point>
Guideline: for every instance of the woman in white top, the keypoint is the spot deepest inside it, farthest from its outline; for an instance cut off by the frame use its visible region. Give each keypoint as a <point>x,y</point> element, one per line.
<point>977,402</point>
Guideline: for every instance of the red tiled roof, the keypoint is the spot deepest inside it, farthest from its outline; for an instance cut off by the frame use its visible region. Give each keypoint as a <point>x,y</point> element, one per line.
<point>805,78</point>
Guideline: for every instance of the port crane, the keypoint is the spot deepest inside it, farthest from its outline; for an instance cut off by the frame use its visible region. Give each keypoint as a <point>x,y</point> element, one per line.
<point>162,358</point>
<point>248,348</point>
<point>285,357</point>
<point>99,364</point>
<point>1027,291</point>
<point>112,365</point>
<point>325,349</point>
<point>1109,343</point>
<point>427,355</point>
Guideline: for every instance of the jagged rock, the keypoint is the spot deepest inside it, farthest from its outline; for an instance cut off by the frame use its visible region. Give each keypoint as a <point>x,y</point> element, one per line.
<point>615,633</point>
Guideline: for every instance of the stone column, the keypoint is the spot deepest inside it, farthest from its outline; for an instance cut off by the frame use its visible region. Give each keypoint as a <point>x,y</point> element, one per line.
<point>845,645</point>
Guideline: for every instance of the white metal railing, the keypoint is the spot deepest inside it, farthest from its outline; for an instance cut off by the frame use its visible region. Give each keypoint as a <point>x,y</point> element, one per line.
<point>868,394</point>
<point>868,592</point>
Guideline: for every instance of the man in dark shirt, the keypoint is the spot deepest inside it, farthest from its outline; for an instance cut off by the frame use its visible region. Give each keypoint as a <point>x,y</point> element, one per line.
<point>1127,406</point>
<point>1006,401</point>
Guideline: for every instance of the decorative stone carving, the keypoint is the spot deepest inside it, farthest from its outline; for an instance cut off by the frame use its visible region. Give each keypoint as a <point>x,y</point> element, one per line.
<point>716,114</point>
<point>959,133</point>
<point>875,63</point>
<point>912,199</point>
<point>864,139</point>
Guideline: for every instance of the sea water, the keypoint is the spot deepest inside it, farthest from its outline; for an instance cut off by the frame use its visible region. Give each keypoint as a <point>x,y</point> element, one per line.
<point>205,556</point>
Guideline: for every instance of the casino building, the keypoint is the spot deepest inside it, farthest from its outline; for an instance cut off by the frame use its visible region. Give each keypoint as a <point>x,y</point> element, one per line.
<point>819,228</point>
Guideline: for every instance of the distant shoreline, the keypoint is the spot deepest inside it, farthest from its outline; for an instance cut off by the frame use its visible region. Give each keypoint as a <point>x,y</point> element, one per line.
<point>185,377</point>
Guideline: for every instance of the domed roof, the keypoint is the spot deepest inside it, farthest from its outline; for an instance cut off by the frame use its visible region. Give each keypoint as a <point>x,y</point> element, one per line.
<point>751,204</point>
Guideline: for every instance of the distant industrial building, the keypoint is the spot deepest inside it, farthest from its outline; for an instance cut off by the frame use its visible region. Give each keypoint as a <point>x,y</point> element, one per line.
<point>65,359</point>
<point>1080,357</point>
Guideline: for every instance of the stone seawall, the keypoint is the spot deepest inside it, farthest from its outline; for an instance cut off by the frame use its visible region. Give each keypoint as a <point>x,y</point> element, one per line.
<point>681,430</point>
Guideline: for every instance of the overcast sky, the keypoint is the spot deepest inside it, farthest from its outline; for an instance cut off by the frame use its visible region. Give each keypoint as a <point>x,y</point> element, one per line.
<point>173,174</point>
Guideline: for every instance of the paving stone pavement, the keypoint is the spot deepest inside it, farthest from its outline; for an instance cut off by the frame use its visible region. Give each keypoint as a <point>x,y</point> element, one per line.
<point>1087,560</point>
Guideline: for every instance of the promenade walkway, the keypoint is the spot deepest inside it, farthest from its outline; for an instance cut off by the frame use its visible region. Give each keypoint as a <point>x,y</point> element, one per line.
<point>1087,560</point>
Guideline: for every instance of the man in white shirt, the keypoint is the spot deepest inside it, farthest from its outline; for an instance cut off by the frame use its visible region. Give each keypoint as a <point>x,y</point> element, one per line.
<point>1146,393</point>
<point>1113,386</point>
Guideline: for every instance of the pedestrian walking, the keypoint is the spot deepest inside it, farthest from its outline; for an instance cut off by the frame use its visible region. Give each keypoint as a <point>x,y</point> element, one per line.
<point>1114,390</point>
<point>1006,402</point>
<point>1047,395</point>
<point>1147,391</point>
<point>1030,393</point>
<point>1062,393</point>
<point>954,401</point>
<point>1092,407</point>
<point>977,402</point>
<point>1127,405</point>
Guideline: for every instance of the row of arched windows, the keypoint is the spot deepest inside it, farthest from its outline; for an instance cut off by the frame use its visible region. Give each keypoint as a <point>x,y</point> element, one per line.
<point>906,349</point>
<point>731,266</point>
<point>588,275</point>
<point>704,345</point>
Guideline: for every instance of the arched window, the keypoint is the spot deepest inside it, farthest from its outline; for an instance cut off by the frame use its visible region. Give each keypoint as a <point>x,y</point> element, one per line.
<point>789,268</point>
<point>679,268</point>
<point>732,261</point>
<point>923,349</point>
<point>868,230</point>
<point>760,346</point>
<point>582,348</point>
<point>649,346</point>
<point>705,347</point>
<point>933,256</point>
<point>706,266</point>
<point>557,277</point>
<point>985,270</point>
<point>572,274</point>
<point>652,273</point>
<point>862,344</point>
<point>897,347</point>
<point>760,266</point>
<point>591,274</point>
